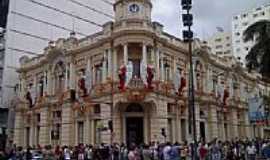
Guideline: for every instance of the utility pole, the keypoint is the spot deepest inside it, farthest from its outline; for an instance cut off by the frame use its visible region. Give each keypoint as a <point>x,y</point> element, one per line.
<point>187,19</point>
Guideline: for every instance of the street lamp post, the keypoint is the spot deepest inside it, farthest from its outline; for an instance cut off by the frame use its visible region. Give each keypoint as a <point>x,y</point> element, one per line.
<point>187,19</point>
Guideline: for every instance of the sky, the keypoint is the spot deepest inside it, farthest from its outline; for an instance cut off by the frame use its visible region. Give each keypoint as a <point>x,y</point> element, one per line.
<point>208,14</point>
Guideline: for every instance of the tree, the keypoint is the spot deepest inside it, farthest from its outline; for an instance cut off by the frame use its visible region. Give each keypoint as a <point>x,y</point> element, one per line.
<point>258,57</point>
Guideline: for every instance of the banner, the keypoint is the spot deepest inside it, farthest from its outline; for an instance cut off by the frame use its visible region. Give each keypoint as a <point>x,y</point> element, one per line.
<point>256,109</point>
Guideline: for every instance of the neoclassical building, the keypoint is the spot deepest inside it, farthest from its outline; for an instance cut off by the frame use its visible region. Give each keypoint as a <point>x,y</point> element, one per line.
<point>127,83</point>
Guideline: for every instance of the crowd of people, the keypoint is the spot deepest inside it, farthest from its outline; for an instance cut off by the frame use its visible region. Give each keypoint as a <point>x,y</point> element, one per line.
<point>215,150</point>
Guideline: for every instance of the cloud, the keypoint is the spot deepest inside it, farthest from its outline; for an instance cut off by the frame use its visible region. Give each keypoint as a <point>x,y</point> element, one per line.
<point>208,14</point>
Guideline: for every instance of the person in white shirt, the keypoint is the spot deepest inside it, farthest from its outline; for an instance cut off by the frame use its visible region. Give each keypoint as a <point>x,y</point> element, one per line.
<point>251,152</point>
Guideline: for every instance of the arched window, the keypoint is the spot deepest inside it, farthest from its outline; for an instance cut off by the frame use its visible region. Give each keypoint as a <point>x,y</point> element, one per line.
<point>134,107</point>
<point>59,77</point>
<point>199,76</point>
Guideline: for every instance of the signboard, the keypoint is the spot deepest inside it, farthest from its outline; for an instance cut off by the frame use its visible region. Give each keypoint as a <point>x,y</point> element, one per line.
<point>256,109</point>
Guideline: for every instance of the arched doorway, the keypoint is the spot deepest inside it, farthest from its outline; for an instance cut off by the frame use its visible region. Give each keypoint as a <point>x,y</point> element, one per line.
<point>134,124</point>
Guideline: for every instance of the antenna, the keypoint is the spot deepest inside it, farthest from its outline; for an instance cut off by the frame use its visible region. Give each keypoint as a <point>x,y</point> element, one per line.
<point>73,23</point>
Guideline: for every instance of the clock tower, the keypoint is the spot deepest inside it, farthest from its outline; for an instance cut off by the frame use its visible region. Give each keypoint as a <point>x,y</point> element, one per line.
<point>133,9</point>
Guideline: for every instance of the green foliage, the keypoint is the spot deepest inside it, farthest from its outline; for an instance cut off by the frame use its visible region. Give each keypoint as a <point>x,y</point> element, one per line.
<point>258,57</point>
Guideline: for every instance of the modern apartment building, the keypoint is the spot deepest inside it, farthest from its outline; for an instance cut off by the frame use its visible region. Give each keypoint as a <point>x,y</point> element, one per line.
<point>31,24</point>
<point>2,53</point>
<point>240,23</point>
<point>221,44</point>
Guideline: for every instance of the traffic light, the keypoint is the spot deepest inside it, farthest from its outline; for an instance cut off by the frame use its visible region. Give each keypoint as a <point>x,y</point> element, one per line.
<point>187,35</point>
<point>187,19</point>
<point>163,132</point>
<point>186,4</point>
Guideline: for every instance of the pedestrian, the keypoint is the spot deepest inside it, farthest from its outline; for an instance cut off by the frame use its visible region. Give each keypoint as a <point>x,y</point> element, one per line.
<point>147,153</point>
<point>184,150</point>
<point>28,154</point>
<point>215,150</point>
<point>175,152</point>
<point>67,153</point>
<point>167,151</point>
<point>251,151</point>
<point>202,151</point>
<point>89,152</point>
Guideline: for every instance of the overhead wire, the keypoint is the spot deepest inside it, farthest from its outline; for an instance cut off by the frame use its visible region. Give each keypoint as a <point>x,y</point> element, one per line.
<point>64,12</point>
<point>30,35</point>
<point>91,8</point>
<point>23,51</point>
<point>45,22</point>
<point>107,2</point>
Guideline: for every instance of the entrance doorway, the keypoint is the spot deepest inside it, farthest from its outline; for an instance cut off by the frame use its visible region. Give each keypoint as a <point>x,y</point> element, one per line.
<point>202,130</point>
<point>134,129</point>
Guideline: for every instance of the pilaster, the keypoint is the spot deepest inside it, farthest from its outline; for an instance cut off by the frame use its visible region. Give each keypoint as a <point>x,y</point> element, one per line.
<point>44,135</point>
<point>68,129</point>
<point>19,129</point>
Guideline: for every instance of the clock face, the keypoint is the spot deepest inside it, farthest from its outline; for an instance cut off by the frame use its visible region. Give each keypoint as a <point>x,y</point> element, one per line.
<point>134,8</point>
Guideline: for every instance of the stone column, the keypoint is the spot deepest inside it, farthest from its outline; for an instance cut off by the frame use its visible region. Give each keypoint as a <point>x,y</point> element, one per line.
<point>45,89</point>
<point>53,84</point>
<point>146,128</point>
<point>162,67</point>
<point>174,130</point>
<point>19,129</point>
<point>33,135</point>
<point>157,64</point>
<point>144,54</point>
<point>234,123</point>
<point>117,126</point>
<point>115,65</point>
<point>106,116</point>
<point>49,82</point>
<point>178,124</point>
<point>126,54</point>
<point>66,78</point>
<point>68,129</point>
<point>158,121</point>
<point>44,135</point>
<point>248,127</point>
<point>198,120</point>
<point>72,81</point>
<point>87,131</point>
<point>214,123</point>
<point>104,67</point>
<point>92,131</point>
<point>110,63</point>
<point>209,81</point>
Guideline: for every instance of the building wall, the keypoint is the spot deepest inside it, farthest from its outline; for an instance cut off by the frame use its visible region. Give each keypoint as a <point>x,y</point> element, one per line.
<point>240,23</point>
<point>221,44</point>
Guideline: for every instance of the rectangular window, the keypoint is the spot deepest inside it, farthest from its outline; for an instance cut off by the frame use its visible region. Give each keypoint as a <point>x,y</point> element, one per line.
<point>218,40</point>
<point>80,132</point>
<point>97,109</point>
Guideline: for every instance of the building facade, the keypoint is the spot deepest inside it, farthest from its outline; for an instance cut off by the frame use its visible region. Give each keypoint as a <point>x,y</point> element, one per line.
<point>128,83</point>
<point>240,23</point>
<point>2,55</point>
<point>221,44</point>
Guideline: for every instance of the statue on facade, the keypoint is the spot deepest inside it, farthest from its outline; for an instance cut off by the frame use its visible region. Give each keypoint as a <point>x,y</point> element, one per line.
<point>122,77</point>
<point>226,95</point>
<point>29,99</point>
<point>150,77</point>
<point>183,84</point>
<point>82,86</point>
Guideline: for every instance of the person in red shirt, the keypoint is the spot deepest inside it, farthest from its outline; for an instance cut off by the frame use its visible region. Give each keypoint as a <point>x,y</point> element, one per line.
<point>203,151</point>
